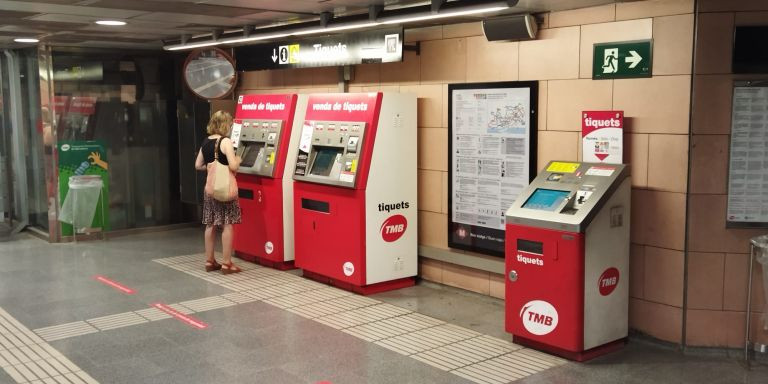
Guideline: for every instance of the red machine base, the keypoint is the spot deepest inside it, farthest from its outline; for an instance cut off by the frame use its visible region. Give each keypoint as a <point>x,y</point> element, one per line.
<point>279,265</point>
<point>366,289</point>
<point>572,355</point>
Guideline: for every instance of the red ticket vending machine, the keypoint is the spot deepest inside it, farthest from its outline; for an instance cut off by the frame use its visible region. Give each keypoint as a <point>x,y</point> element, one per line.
<point>355,210</point>
<point>567,260</point>
<point>266,141</point>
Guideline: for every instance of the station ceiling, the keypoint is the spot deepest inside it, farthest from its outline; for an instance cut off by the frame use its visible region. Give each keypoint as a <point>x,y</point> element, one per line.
<point>149,22</point>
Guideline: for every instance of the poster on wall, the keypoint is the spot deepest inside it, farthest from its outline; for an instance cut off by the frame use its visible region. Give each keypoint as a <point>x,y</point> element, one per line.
<point>602,136</point>
<point>492,157</point>
<point>748,166</point>
<point>83,187</point>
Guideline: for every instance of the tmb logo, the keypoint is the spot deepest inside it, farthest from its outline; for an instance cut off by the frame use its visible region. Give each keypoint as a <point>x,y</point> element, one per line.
<point>393,228</point>
<point>539,317</point>
<point>608,281</point>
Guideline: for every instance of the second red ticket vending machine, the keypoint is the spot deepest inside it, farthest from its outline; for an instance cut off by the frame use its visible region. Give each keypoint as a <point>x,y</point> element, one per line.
<point>355,213</point>
<point>266,141</point>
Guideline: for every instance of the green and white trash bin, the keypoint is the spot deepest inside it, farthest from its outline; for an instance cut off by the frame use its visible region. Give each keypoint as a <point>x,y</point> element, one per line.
<point>81,203</point>
<point>759,254</point>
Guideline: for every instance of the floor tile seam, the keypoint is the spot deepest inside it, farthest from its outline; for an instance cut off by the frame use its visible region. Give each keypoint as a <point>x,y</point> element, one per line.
<point>476,375</point>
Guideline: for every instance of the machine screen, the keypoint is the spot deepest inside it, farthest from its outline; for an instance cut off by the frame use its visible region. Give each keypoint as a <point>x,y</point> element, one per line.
<point>546,199</point>
<point>250,153</point>
<point>324,159</point>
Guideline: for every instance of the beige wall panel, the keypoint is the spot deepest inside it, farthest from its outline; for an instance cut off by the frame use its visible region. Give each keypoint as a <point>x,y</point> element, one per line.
<point>568,98</point>
<point>640,9</point>
<point>734,278</point>
<point>636,155</point>
<point>715,328</point>
<point>491,61</point>
<point>637,271</point>
<point>654,105</point>
<point>707,227</point>
<point>658,320</point>
<point>248,80</point>
<point>444,61</point>
<point>672,45</point>
<point>543,105</point>
<point>712,101</point>
<point>431,270</point>
<point>367,75</point>
<point>714,43</point>
<point>554,145</point>
<point>668,162</point>
<point>751,18</point>
<point>405,72</point>
<point>445,106</point>
<point>433,229</point>
<point>553,55</point>
<point>709,164</point>
<point>430,190</point>
<point>299,77</point>
<point>705,280</point>
<point>325,77</point>
<point>658,218</point>
<point>433,149</point>
<point>429,102</point>
<point>463,30</point>
<point>610,32</point>
<point>664,276</point>
<point>497,286</point>
<point>444,189</point>
<point>591,15</point>
<point>271,79</point>
<point>467,278</point>
<point>424,34</point>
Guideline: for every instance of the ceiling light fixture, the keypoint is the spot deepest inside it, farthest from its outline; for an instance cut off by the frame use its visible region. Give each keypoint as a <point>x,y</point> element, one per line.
<point>26,40</point>
<point>340,27</point>
<point>111,23</point>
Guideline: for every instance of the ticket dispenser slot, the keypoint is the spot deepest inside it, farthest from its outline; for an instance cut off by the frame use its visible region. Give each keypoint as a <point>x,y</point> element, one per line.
<point>334,152</point>
<point>259,145</point>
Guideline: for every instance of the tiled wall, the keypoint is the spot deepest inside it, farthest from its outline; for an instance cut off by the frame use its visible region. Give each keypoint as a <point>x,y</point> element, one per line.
<point>717,262</point>
<point>656,143</point>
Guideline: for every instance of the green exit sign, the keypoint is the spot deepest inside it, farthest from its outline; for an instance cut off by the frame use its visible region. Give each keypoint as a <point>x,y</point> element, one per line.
<point>622,60</point>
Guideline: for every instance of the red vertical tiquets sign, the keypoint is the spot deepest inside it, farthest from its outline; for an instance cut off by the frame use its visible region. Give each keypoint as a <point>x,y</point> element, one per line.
<point>602,136</point>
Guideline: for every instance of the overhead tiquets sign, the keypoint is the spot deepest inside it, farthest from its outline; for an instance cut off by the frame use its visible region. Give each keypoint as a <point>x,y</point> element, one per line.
<point>492,152</point>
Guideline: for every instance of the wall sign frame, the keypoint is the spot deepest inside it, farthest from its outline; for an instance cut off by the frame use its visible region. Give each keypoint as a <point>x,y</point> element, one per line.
<point>748,156</point>
<point>492,137</point>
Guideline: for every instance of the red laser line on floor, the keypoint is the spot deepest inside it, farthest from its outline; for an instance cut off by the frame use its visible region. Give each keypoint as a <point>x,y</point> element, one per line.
<point>114,285</point>
<point>180,316</point>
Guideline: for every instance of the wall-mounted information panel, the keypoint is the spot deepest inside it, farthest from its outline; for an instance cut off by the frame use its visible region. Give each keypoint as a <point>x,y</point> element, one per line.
<point>492,158</point>
<point>748,166</point>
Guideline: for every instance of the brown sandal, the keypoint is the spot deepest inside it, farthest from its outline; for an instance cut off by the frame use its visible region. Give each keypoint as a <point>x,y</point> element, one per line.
<point>212,266</point>
<point>229,268</point>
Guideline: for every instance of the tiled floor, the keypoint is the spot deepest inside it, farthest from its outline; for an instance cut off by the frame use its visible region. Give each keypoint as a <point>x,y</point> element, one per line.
<point>266,326</point>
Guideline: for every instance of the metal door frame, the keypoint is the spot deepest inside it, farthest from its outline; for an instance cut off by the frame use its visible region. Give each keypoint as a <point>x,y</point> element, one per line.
<point>20,192</point>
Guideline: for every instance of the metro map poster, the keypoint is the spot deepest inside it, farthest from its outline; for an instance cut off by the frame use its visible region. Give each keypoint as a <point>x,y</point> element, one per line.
<point>492,158</point>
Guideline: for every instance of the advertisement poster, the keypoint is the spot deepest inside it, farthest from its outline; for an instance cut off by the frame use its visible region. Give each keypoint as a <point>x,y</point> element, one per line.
<point>83,164</point>
<point>602,136</point>
<point>748,169</point>
<point>492,144</point>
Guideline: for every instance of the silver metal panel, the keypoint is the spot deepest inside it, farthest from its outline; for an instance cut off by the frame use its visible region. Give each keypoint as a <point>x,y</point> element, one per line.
<point>338,135</point>
<point>568,215</point>
<point>265,137</point>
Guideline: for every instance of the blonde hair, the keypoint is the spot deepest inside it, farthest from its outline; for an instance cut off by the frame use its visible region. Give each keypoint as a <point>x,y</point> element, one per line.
<point>220,123</point>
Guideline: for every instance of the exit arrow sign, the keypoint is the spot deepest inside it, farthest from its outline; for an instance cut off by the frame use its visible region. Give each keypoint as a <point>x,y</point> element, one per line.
<point>622,60</point>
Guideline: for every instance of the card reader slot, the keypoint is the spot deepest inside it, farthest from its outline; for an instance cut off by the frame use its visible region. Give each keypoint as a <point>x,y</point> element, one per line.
<point>245,193</point>
<point>315,205</point>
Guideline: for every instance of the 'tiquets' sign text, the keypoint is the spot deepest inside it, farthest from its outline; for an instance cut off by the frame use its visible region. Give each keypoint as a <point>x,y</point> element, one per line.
<point>602,136</point>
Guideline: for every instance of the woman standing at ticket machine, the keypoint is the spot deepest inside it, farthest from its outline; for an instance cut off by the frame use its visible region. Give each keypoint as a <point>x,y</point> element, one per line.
<point>216,213</point>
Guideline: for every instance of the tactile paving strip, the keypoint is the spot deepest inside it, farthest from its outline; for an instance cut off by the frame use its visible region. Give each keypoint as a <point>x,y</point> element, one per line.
<point>29,359</point>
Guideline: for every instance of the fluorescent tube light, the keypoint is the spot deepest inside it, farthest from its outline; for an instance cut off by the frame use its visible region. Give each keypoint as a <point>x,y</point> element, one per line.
<point>111,22</point>
<point>334,29</point>
<point>406,19</point>
<point>26,40</point>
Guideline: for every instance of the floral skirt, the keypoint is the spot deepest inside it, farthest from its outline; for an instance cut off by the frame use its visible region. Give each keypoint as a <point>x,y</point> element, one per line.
<point>218,213</point>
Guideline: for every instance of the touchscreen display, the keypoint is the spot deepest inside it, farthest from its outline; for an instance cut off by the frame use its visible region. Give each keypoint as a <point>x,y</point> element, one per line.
<point>324,158</point>
<point>250,153</point>
<point>546,199</point>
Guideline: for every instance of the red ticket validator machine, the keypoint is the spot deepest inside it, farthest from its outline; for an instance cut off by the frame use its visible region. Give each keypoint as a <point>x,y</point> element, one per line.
<point>567,260</point>
<point>266,141</point>
<point>355,210</point>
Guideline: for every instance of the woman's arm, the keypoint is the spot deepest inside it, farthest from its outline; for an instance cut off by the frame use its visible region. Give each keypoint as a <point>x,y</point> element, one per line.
<point>229,150</point>
<point>200,162</point>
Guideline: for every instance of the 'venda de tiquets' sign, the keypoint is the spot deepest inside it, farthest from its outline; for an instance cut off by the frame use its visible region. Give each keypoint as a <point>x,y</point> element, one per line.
<point>602,136</point>
<point>376,46</point>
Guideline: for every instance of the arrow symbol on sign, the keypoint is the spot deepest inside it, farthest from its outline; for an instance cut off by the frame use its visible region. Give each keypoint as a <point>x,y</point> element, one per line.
<point>634,59</point>
<point>274,55</point>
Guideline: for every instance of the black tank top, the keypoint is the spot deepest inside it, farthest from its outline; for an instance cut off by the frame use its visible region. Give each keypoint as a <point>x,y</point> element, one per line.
<point>208,147</point>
